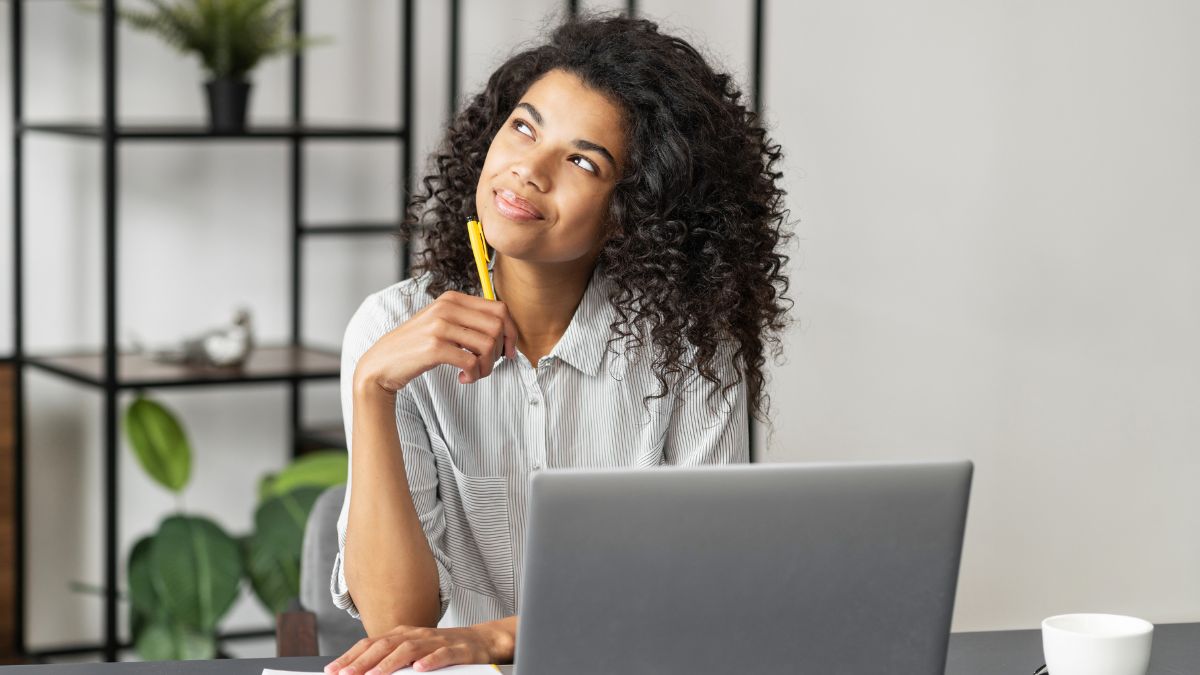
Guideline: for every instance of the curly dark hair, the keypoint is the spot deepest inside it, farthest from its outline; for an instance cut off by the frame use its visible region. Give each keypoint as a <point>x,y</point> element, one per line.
<point>697,217</point>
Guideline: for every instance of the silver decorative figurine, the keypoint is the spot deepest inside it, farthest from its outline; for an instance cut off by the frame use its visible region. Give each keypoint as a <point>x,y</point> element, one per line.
<point>226,346</point>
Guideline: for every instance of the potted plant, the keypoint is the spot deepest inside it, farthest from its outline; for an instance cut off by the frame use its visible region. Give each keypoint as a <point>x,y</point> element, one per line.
<point>230,37</point>
<point>184,578</point>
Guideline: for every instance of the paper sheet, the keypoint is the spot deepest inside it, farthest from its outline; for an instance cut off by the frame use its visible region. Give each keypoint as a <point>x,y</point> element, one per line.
<point>456,670</point>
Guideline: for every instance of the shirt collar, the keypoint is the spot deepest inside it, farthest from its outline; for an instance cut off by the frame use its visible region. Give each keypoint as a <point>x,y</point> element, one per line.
<point>586,338</point>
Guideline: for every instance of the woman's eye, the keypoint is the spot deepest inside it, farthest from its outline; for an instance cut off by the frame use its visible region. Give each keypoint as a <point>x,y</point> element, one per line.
<point>522,128</point>
<point>585,163</point>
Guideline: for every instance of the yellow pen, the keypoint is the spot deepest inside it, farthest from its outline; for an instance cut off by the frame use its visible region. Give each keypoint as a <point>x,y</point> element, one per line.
<point>479,248</point>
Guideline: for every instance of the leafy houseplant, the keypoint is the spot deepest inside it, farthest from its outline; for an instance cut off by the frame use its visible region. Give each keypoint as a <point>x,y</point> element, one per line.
<point>186,576</point>
<point>230,37</point>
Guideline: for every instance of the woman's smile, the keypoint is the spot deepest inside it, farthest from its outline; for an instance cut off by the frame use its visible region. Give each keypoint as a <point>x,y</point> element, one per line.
<point>513,207</point>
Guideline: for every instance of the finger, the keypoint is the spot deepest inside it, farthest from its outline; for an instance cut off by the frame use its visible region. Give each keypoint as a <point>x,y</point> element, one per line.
<point>476,342</point>
<point>467,362</point>
<point>484,320</point>
<point>346,659</point>
<point>510,330</point>
<point>405,654</point>
<point>495,308</point>
<point>371,657</point>
<point>440,658</point>
<point>487,354</point>
<point>493,327</point>
<point>442,352</point>
<point>480,354</point>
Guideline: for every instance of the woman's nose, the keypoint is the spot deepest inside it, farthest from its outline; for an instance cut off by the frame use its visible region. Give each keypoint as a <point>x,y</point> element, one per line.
<point>533,169</point>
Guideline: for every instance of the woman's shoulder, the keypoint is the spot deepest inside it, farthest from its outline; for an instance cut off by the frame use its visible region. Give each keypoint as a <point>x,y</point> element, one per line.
<point>387,308</point>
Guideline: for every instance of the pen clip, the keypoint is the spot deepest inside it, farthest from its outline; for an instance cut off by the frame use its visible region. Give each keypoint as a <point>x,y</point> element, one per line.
<point>477,231</point>
<point>483,261</point>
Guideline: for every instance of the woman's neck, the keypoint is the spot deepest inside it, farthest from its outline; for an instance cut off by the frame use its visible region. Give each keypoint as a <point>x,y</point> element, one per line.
<point>541,300</point>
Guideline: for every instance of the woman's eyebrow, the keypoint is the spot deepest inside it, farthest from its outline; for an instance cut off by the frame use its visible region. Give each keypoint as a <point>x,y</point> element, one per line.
<point>579,143</point>
<point>598,149</point>
<point>533,112</point>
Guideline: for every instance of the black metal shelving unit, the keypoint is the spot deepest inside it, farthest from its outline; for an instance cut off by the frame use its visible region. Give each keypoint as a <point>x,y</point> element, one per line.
<point>113,373</point>
<point>292,363</point>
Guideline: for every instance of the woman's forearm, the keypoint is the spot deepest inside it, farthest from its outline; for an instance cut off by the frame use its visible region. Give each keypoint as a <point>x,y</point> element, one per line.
<point>390,571</point>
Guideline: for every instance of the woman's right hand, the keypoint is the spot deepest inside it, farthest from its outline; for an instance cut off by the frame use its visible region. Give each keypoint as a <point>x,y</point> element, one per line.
<point>465,331</point>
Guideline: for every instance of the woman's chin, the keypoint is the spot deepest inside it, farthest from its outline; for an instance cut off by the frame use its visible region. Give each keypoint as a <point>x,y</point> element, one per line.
<point>501,237</point>
<point>513,253</point>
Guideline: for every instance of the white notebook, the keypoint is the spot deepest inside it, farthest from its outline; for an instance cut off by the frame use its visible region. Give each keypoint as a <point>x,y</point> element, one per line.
<point>473,669</point>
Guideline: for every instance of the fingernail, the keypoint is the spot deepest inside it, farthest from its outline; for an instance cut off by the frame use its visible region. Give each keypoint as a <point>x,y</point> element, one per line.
<point>346,671</point>
<point>373,671</point>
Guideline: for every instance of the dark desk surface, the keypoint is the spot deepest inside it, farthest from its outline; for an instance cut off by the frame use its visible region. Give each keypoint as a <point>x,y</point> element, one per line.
<point>1176,651</point>
<point>1014,652</point>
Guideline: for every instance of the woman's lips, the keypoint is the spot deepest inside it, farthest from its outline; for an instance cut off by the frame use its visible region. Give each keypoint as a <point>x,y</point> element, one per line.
<point>513,207</point>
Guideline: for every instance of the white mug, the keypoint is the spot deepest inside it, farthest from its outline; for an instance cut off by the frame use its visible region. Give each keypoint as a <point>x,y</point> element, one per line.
<point>1096,644</point>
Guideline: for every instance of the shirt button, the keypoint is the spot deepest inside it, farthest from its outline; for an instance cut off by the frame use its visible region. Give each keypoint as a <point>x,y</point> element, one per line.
<point>533,401</point>
<point>537,466</point>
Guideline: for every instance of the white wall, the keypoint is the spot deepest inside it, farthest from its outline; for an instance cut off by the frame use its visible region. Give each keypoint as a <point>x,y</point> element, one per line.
<point>997,238</point>
<point>991,236</point>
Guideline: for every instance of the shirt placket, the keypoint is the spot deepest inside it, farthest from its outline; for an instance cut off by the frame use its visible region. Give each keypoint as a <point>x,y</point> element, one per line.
<point>537,417</point>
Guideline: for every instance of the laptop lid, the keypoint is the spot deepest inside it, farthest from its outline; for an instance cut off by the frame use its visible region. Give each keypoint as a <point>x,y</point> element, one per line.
<point>762,568</point>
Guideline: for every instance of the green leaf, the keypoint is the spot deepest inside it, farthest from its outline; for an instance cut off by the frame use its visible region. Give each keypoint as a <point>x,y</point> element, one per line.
<point>193,646</point>
<point>196,569</point>
<point>143,598</point>
<point>272,552</point>
<point>172,642</point>
<point>264,487</point>
<point>229,36</point>
<point>145,606</point>
<point>322,469</point>
<point>159,443</point>
<point>137,624</point>
<point>155,643</point>
<point>274,578</point>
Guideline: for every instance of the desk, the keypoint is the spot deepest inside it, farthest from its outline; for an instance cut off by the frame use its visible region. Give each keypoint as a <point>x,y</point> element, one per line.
<point>1176,651</point>
<point>1010,652</point>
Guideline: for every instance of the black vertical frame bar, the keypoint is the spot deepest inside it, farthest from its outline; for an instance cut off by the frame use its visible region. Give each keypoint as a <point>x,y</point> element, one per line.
<point>572,8</point>
<point>407,137</point>
<point>295,205</point>
<point>454,26</point>
<point>756,75</point>
<point>631,7</point>
<point>16,31</point>
<point>111,393</point>
<point>757,62</point>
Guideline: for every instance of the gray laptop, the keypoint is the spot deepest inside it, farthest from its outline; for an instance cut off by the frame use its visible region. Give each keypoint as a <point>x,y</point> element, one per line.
<point>763,568</point>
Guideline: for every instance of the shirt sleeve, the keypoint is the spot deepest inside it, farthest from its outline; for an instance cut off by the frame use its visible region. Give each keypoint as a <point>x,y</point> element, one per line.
<point>709,430</point>
<point>372,320</point>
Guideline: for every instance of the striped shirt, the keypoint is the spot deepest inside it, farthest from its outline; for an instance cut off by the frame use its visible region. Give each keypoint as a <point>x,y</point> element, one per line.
<point>469,450</point>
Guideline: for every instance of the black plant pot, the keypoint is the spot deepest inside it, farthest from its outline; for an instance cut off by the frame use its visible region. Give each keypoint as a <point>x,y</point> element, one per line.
<point>227,99</point>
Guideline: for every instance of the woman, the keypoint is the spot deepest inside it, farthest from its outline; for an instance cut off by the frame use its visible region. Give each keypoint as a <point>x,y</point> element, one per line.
<point>636,221</point>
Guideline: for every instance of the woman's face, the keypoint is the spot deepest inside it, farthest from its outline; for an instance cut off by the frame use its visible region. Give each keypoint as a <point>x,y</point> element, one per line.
<point>544,192</point>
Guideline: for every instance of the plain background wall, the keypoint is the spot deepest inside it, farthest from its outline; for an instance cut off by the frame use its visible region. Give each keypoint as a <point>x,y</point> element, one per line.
<point>992,260</point>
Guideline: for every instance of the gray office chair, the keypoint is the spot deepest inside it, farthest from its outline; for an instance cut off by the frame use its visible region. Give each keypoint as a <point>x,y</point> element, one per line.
<point>315,626</point>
